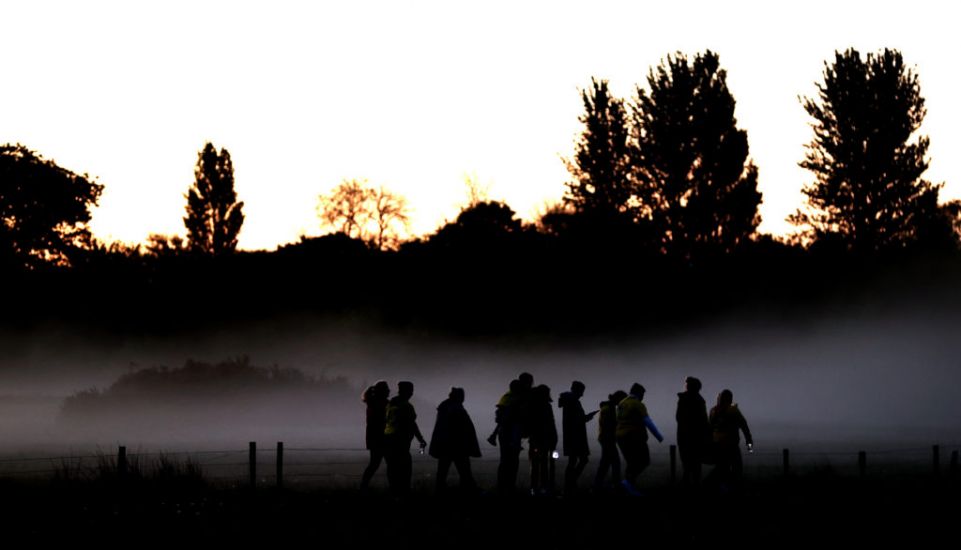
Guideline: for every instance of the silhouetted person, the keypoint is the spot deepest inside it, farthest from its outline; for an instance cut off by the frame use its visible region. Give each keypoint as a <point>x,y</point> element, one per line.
<point>508,432</point>
<point>726,423</point>
<point>543,439</point>
<point>606,429</point>
<point>693,430</point>
<point>574,426</point>
<point>376,399</point>
<point>400,429</point>
<point>524,383</point>
<point>633,422</point>
<point>454,441</point>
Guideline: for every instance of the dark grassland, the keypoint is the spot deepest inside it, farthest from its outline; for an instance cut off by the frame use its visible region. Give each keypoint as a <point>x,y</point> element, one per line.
<point>817,508</point>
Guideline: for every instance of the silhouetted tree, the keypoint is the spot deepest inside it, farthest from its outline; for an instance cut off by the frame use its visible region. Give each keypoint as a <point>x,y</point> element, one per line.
<point>391,216</point>
<point>867,161</point>
<point>477,192</point>
<point>213,216</point>
<point>483,225</point>
<point>376,216</point>
<point>601,185</point>
<point>695,182</point>
<point>347,208</point>
<point>44,209</point>
<point>164,245</point>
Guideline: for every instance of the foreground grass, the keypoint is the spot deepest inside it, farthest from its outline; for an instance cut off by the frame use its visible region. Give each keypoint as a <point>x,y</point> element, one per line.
<point>819,508</point>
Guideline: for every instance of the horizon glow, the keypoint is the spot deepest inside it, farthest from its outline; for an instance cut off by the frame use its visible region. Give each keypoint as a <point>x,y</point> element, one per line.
<point>413,96</point>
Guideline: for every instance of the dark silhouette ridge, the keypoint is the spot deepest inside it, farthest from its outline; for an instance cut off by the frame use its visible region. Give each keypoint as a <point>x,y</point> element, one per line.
<point>201,397</point>
<point>656,232</point>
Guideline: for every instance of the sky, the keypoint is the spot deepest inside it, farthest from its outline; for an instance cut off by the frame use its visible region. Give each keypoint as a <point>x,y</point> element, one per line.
<point>414,96</point>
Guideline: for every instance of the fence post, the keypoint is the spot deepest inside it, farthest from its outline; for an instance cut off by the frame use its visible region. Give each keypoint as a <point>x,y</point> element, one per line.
<point>280,464</point>
<point>936,459</point>
<point>252,460</point>
<point>122,462</point>
<point>862,463</point>
<point>673,464</point>
<point>786,460</point>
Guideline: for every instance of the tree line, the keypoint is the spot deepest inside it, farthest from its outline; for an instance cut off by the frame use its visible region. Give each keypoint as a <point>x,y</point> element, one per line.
<point>662,188</point>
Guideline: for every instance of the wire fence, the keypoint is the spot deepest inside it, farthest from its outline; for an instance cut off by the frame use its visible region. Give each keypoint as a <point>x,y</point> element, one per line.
<point>279,464</point>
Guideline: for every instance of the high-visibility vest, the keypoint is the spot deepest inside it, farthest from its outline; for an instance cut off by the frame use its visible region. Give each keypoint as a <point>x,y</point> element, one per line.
<point>631,413</point>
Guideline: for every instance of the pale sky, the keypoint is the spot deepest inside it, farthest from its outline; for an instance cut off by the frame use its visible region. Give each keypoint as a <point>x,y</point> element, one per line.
<point>414,95</point>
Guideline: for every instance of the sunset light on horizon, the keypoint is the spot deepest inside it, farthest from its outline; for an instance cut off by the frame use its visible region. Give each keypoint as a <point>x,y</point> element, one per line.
<point>415,96</point>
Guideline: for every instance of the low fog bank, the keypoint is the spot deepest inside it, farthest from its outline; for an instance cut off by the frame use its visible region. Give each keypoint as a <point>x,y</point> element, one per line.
<point>884,376</point>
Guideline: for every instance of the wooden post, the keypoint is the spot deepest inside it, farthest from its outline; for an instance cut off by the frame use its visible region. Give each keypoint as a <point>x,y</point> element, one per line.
<point>252,460</point>
<point>673,464</point>
<point>954,463</point>
<point>280,464</point>
<point>122,462</point>
<point>936,459</point>
<point>786,460</point>
<point>862,463</point>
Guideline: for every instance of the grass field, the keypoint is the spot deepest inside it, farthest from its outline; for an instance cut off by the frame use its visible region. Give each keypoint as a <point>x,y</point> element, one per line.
<point>163,499</point>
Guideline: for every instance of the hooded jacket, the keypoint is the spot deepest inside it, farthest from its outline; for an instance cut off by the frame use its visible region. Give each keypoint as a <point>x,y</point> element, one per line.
<point>454,434</point>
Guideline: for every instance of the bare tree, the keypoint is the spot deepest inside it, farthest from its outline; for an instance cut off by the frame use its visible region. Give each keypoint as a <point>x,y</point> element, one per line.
<point>377,216</point>
<point>390,213</point>
<point>347,208</point>
<point>477,192</point>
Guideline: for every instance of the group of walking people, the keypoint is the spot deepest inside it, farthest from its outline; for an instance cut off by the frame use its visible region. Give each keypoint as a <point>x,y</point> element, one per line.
<point>525,412</point>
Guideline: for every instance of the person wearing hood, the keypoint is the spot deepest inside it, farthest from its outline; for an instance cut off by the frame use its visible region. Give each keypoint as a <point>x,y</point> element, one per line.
<point>726,423</point>
<point>454,441</point>
<point>693,430</point>
<point>574,427</point>
<point>633,422</point>
<point>606,428</point>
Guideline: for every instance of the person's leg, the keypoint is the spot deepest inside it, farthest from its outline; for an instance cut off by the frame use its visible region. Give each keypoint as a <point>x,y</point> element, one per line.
<point>443,467</point>
<point>464,473</point>
<point>615,463</point>
<point>406,472</point>
<point>737,465</point>
<point>629,449</point>
<point>534,457</point>
<point>575,467</point>
<point>393,469</point>
<point>509,463</point>
<point>643,457</point>
<point>376,456</point>
<point>570,474</point>
<point>603,465</point>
